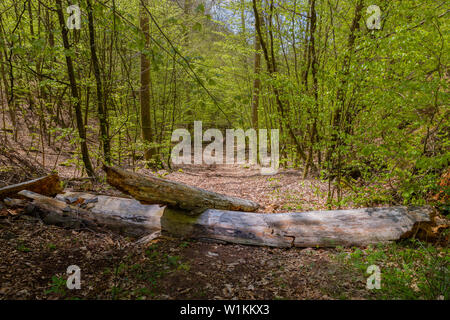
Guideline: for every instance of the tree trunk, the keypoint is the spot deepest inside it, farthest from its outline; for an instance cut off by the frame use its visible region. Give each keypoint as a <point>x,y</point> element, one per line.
<point>308,229</point>
<point>152,190</point>
<point>74,89</point>
<point>314,112</point>
<point>124,216</point>
<point>256,83</point>
<point>101,106</point>
<point>272,69</point>
<point>356,227</point>
<point>338,120</point>
<point>341,92</point>
<point>146,122</point>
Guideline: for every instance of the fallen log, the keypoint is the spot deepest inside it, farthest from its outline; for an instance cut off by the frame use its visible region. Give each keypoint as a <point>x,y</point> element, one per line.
<point>49,186</point>
<point>356,227</point>
<point>124,216</point>
<point>153,190</point>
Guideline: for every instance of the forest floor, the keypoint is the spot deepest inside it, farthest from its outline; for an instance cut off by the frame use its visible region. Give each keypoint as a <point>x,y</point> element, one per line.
<point>34,256</point>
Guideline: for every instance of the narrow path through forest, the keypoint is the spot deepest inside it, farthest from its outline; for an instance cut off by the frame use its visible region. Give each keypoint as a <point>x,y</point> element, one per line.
<point>35,256</point>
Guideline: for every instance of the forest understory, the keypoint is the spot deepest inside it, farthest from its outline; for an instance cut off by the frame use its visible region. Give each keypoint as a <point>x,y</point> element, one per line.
<point>353,94</point>
<point>35,255</point>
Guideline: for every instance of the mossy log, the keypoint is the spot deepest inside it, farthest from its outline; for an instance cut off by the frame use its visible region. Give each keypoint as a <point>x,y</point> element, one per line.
<point>153,190</point>
<point>355,227</point>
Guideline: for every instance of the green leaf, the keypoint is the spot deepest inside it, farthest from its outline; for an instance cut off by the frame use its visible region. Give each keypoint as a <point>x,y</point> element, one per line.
<point>197,27</point>
<point>200,8</point>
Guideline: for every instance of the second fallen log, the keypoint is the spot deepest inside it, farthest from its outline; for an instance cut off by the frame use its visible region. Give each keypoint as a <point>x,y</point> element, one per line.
<point>124,216</point>
<point>48,186</point>
<point>153,190</point>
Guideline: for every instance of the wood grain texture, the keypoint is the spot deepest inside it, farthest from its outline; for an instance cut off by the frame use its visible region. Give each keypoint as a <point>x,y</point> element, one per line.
<point>48,186</point>
<point>308,229</point>
<point>153,190</point>
<point>123,216</point>
<point>355,227</point>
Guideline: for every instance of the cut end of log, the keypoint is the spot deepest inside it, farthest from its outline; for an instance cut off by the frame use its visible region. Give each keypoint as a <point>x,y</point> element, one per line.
<point>47,186</point>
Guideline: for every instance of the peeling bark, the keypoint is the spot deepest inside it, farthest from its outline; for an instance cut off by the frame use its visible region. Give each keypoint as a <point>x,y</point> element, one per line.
<point>356,227</point>
<point>123,216</point>
<point>152,190</point>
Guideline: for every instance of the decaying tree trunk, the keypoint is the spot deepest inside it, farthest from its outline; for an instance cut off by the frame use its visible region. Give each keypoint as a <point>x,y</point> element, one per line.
<point>49,186</point>
<point>152,190</point>
<point>124,216</point>
<point>308,229</point>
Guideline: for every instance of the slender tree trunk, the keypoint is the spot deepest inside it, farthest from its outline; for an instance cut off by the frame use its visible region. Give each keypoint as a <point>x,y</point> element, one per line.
<point>4,94</point>
<point>312,113</point>
<point>256,83</point>
<point>146,123</point>
<point>346,64</point>
<point>101,106</point>
<point>9,85</point>
<point>74,90</point>
<point>272,68</point>
<point>334,162</point>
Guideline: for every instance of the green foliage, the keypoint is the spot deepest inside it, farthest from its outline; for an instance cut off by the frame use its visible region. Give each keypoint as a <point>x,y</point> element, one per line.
<point>21,247</point>
<point>375,101</point>
<point>58,286</point>
<point>409,270</point>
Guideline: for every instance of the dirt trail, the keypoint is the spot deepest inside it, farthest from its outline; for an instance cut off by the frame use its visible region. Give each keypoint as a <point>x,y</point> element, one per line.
<point>34,257</point>
<point>286,191</point>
